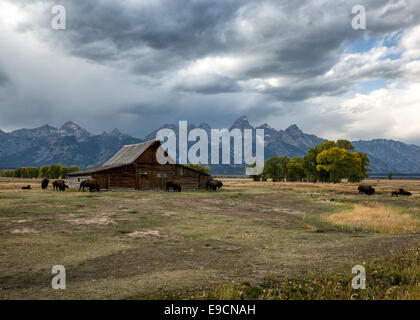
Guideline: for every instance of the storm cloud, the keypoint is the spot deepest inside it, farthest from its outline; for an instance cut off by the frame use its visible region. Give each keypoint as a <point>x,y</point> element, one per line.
<point>139,64</point>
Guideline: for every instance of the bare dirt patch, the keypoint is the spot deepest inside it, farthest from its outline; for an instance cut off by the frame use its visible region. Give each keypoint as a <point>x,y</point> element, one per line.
<point>169,214</point>
<point>22,231</point>
<point>143,234</point>
<point>93,221</point>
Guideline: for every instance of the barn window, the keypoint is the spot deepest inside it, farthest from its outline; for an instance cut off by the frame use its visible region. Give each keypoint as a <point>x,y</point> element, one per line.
<point>159,175</point>
<point>164,174</point>
<point>78,179</point>
<point>125,169</point>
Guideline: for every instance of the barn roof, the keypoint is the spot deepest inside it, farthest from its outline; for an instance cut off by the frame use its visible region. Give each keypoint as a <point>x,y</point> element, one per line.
<point>91,170</point>
<point>129,153</point>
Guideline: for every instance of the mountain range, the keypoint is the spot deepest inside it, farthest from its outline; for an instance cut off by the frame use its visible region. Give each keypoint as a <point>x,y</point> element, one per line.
<point>73,145</point>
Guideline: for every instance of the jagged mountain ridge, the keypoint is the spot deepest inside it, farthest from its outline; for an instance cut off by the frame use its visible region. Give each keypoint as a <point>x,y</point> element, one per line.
<point>72,145</point>
<point>68,145</point>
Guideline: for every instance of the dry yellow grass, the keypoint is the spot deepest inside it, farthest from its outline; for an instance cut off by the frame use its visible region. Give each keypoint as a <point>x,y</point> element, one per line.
<point>376,218</point>
<point>383,187</point>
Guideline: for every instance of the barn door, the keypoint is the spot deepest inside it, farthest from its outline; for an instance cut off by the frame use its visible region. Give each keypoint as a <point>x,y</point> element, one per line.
<point>142,180</point>
<point>203,182</point>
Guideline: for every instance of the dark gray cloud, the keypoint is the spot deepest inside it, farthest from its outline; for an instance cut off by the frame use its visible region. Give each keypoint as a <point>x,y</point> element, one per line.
<point>4,78</point>
<point>137,64</point>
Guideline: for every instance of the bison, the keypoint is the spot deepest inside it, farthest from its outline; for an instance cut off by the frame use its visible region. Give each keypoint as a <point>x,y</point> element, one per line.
<point>91,184</point>
<point>44,183</point>
<point>214,185</point>
<point>28,187</point>
<point>404,192</point>
<point>60,185</point>
<point>368,190</point>
<point>395,193</point>
<point>174,185</point>
<point>211,185</point>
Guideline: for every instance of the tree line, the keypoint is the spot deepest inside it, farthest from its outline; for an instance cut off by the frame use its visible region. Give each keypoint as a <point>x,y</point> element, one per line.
<point>327,162</point>
<point>54,171</point>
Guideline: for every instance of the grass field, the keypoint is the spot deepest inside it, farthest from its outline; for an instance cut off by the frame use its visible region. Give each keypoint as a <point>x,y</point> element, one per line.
<point>250,240</point>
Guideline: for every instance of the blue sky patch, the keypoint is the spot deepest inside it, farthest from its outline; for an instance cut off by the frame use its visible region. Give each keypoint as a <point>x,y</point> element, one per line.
<point>367,87</point>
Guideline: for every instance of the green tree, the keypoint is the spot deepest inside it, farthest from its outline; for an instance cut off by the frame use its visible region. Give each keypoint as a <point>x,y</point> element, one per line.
<point>340,163</point>
<point>22,173</point>
<point>8,173</point>
<point>73,169</point>
<point>360,172</point>
<point>33,172</point>
<point>54,171</point>
<point>295,170</point>
<point>276,168</point>
<point>44,172</point>
<point>390,176</point>
<point>310,163</point>
<point>64,172</point>
<point>344,144</point>
<point>198,167</point>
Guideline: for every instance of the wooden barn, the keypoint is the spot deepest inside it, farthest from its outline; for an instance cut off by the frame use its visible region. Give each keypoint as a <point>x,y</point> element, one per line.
<point>135,167</point>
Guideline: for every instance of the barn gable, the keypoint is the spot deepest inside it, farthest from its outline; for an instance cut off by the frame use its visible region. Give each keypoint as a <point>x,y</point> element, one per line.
<point>130,153</point>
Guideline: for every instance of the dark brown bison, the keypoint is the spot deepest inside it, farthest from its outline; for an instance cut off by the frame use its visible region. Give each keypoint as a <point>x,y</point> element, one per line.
<point>28,187</point>
<point>368,190</point>
<point>91,184</point>
<point>60,185</point>
<point>214,185</point>
<point>174,185</point>
<point>395,193</point>
<point>211,185</point>
<point>44,183</point>
<point>404,193</point>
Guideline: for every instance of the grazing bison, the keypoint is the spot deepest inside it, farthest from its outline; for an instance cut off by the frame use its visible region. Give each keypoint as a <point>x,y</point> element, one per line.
<point>91,184</point>
<point>404,193</point>
<point>28,187</point>
<point>60,185</point>
<point>174,185</point>
<point>211,185</point>
<point>395,193</point>
<point>214,185</point>
<point>368,190</point>
<point>44,183</point>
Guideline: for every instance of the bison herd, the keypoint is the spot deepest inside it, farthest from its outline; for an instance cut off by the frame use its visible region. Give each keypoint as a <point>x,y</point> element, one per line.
<point>400,192</point>
<point>60,185</point>
<point>212,185</point>
<point>93,185</point>
<point>369,190</point>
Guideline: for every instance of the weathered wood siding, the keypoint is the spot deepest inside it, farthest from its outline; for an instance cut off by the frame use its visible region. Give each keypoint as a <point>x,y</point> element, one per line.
<point>149,156</point>
<point>117,178</point>
<point>155,176</point>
